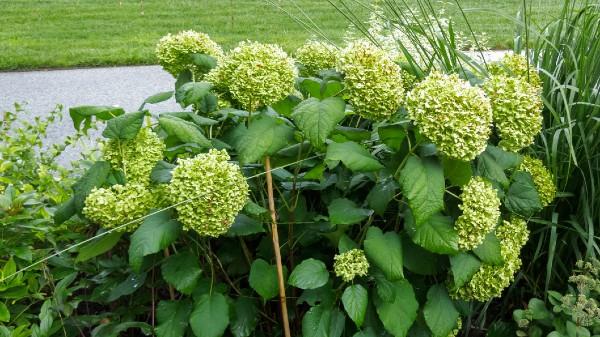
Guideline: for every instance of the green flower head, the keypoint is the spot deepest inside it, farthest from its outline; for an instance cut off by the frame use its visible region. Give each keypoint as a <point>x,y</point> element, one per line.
<point>136,157</point>
<point>454,115</point>
<point>373,81</point>
<point>517,65</point>
<point>542,178</point>
<point>480,213</point>
<point>350,264</point>
<point>175,52</point>
<point>118,205</point>
<point>209,192</point>
<point>517,107</point>
<point>315,56</point>
<point>255,74</point>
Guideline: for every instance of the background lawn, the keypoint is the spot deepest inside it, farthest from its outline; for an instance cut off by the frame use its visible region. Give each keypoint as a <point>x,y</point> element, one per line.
<point>66,33</point>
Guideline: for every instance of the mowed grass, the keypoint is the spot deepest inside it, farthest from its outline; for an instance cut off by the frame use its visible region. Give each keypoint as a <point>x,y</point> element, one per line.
<point>69,33</point>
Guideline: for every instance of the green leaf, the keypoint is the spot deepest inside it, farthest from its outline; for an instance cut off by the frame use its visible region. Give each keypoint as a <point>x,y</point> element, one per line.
<point>157,98</point>
<point>162,172</point>
<point>419,260</point>
<point>173,318</point>
<point>392,135</point>
<point>463,267</point>
<point>317,119</point>
<point>422,182</point>
<point>345,212</point>
<point>345,244</point>
<point>156,233</point>
<point>399,312</point>
<point>132,283</point>
<point>65,211</point>
<point>489,168</point>
<point>95,176</point>
<point>345,133</point>
<point>210,317</point>
<point>192,93</point>
<point>115,329</point>
<point>504,159</point>
<point>457,171</point>
<point>264,137</point>
<point>381,195</point>
<point>355,300</point>
<point>84,114</point>
<point>182,270</point>
<point>263,279</point>
<point>244,225</point>
<point>98,246</point>
<point>4,313</point>
<point>285,107</point>
<point>436,234</point>
<point>353,155</point>
<point>245,317</point>
<point>309,274</point>
<point>186,132</point>
<point>204,63</point>
<point>322,321</point>
<point>522,197</point>
<point>439,311</point>
<point>489,250</point>
<point>385,252</point>
<point>125,126</point>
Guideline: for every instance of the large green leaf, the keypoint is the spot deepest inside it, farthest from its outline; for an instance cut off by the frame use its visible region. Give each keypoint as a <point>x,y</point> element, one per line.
<point>436,233</point>
<point>353,155</point>
<point>192,93</point>
<point>322,321</point>
<point>504,159</point>
<point>381,195</point>
<point>346,212</point>
<point>457,171</point>
<point>210,317</point>
<point>125,126</point>
<point>245,317</point>
<point>162,172</point>
<point>522,196</point>
<point>419,260</point>
<point>186,132</point>
<point>463,267</point>
<point>489,168</point>
<point>309,274</point>
<point>265,136</point>
<point>385,252</point>
<point>85,113</point>
<point>98,246</point>
<point>173,318</point>
<point>355,299</point>
<point>245,225</point>
<point>182,270</point>
<point>439,311</point>
<point>131,284</point>
<point>157,98</point>
<point>489,250</point>
<point>399,312</point>
<point>65,211</point>
<point>263,279</point>
<point>156,233</point>
<point>392,135</point>
<point>422,182</point>
<point>317,119</point>
<point>95,176</point>
<point>4,313</point>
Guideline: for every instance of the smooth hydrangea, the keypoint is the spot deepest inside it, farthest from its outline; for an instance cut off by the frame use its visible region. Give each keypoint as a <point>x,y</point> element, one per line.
<point>119,205</point>
<point>542,178</point>
<point>255,74</point>
<point>350,264</point>
<point>315,56</point>
<point>517,110</point>
<point>136,157</point>
<point>454,115</point>
<point>175,52</point>
<point>480,213</point>
<point>517,65</point>
<point>372,80</point>
<point>490,280</point>
<point>208,192</point>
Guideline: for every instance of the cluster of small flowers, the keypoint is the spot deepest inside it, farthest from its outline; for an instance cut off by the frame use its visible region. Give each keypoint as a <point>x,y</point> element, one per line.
<point>136,157</point>
<point>350,264</point>
<point>584,310</point>
<point>517,66</point>
<point>542,178</point>
<point>490,280</point>
<point>174,52</point>
<point>315,56</point>
<point>454,115</point>
<point>208,191</point>
<point>373,81</point>
<point>480,213</point>
<point>255,74</point>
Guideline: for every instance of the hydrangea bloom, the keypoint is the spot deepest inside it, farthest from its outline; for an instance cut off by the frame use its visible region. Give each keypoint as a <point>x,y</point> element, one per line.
<point>118,205</point>
<point>255,74</point>
<point>454,115</point>
<point>315,56</point>
<point>208,191</point>
<point>136,157</point>
<point>489,281</point>
<point>480,212</point>
<point>542,178</point>
<point>373,81</point>
<point>516,65</point>
<point>174,52</point>
<point>350,264</point>
<point>516,106</point>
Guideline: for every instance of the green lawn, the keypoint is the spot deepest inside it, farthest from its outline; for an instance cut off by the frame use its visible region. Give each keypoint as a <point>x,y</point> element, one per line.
<point>67,33</point>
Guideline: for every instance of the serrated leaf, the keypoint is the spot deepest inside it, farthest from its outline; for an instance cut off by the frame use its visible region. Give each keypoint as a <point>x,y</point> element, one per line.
<point>173,318</point>
<point>84,114</point>
<point>98,246</point>
<point>65,211</point>
<point>309,274</point>
<point>322,321</point>
<point>125,126</point>
<point>399,313</point>
<point>132,283</point>
<point>489,168</point>
<point>183,271</point>
<point>419,260</point>
<point>95,176</point>
<point>522,197</point>
<point>157,98</point>
<point>385,252</point>
<point>162,172</point>
<point>264,137</point>
<point>504,159</point>
<point>422,183</point>
<point>457,171</point>
<point>346,212</point>
<point>436,233</point>
<point>317,119</point>
<point>381,195</point>
<point>489,250</point>
<point>245,225</point>
<point>245,317</point>
<point>353,155</point>
<point>355,299</point>
<point>186,132</point>
<point>463,267</point>
<point>263,279</point>
<point>192,93</point>
<point>210,317</point>
<point>439,311</point>
<point>392,135</point>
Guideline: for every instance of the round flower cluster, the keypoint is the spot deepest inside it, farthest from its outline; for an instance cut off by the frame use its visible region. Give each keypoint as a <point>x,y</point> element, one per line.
<point>454,115</point>
<point>350,264</point>
<point>255,74</point>
<point>118,205</point>
<point>373,81</point>
<point>136,157</point>
<point>208,192</point>
<point>516,106</point>
<point>175,52</point>
<point>517,65</point>
<point>542,178</point>
<point>480,212</point>
<point>315,56</point>
<point>490,280</point>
